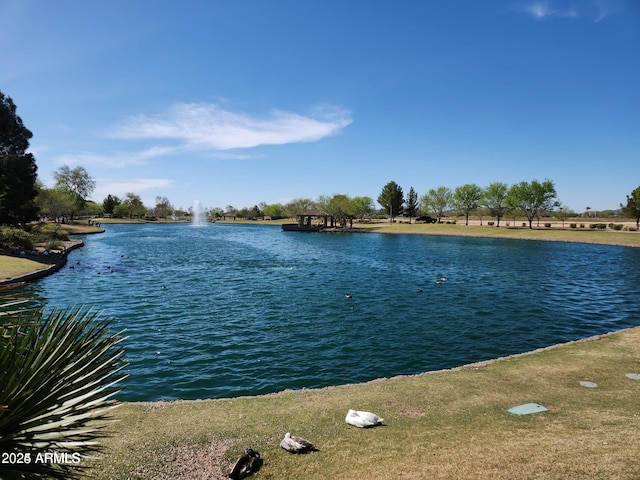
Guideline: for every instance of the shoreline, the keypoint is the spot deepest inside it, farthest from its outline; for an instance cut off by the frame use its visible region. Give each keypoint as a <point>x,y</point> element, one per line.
<point>458,419</point>
<point>555,233</point>
<point>467,366</point>
<point>60,261</point>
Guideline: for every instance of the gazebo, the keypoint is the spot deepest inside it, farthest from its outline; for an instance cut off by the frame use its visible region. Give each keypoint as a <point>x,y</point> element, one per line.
<point>305,222</point>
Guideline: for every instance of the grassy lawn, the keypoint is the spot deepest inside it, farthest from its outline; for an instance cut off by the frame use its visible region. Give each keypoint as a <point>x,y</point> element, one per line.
<point>582,235</point>
<point>448,425</point>
<point>13,267</point>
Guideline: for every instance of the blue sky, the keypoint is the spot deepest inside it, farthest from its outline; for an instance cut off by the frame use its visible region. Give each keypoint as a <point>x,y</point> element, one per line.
<point>236,102</point>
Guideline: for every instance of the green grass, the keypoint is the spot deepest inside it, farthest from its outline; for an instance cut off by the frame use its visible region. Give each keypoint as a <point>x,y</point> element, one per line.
<point>448,424</point>
<point>582,235</point>
<point>14,267</point>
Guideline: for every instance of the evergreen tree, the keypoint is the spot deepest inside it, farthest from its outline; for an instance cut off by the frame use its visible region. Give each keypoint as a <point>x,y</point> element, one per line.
<point>109,203</point>
<point>411,204</point>
<point>18,170</point>
<point>391,198</point>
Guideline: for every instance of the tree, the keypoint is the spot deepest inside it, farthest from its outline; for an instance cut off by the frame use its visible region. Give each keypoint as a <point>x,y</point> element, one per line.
<point>92,208</point>
<point>78,182</point>
<point>437,201</point>
<point>216,212</point>
<point>18,170</point>
<point>298,205</point>
<point>362,206</point>
<point>495,199</point>
<point>131,206</point>
<point>339,207</point>
<point>411,204</point>
<point>109,203</point>
<point>632,208</point>
<point>275,211</point>
<point>55,203</point>
<point>163,207</point>
<point>391,199</point>
<point>121,210</point>
<point>322,203</point>
<point>467,198</point>
<point>532,198</point>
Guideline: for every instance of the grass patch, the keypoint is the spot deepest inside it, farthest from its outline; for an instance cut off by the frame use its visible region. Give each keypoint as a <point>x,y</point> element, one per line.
<point>76,228</point>
<point>556,234</point>
<point>604,237</point>
<point>447,424</point>
<point>13,267</point>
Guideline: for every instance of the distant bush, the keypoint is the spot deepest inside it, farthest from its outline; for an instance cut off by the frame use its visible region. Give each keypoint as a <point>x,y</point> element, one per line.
<point>490,224</point>
<point>524,224</point>
<point>582,225</point>
<point>16,238</point>
<point>548,225</point>
<point>49,231</point>
<point>600,226</point>
<point>573,225</point>
<point>54,245</point>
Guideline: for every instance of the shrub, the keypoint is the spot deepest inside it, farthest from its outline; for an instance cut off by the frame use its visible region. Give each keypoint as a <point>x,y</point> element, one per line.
<point>615,226</point>
<point>548,225</point>
<point>490,224</point>
<point>54,245</point>
<point>524,224</point>
<point>60,372</point>
<point>16,238</point>
<point>582,225</point>
<point>573,225</point>
<point>49,231</point>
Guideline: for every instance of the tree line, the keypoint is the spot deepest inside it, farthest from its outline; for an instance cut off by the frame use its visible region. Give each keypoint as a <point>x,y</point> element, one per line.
<point>531,199</point>
<point>23,199</point>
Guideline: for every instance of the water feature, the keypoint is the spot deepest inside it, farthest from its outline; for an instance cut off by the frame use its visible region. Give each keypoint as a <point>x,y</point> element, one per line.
<point>235,310</point>
<point>198,215</point>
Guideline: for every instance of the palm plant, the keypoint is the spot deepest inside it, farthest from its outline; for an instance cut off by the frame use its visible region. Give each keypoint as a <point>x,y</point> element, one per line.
<point>59,372</point>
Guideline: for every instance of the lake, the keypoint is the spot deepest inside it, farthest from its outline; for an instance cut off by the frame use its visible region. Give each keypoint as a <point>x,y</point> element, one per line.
<point>227,310</point>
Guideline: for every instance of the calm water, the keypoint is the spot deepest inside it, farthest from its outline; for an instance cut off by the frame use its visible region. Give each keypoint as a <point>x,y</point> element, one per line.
<point>230,310</point>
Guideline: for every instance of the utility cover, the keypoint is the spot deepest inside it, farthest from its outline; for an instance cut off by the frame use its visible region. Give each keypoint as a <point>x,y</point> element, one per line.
<point>527,409</point>
<point>584,383</point>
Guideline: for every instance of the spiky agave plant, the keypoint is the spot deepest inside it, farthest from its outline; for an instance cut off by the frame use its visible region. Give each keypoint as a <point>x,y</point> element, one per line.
<point>59,372</point>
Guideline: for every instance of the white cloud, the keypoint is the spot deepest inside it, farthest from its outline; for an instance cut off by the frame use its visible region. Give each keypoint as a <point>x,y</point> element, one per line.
<point>209,127</point>
<point>115,160</point>
<point>541,10</point>
<point>594,10</point>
